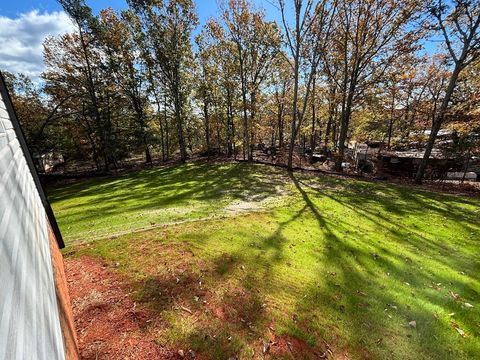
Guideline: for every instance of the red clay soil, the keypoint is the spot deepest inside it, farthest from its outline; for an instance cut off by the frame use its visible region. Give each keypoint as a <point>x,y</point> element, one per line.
<point>290,347</point>
<point>108,323</point>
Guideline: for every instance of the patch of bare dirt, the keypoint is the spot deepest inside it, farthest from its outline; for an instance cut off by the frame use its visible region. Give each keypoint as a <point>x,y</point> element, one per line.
<point>239,307</point>
<point>292,348</point>
<point>289,347</point>
<point>108,322</point>
<point>242,207</point>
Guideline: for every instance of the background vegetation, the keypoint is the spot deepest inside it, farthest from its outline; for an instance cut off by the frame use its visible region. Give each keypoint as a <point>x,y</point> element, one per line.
<point>138,84</point>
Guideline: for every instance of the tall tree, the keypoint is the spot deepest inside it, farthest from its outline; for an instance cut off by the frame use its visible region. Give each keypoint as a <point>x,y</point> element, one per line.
<point>282,83</point>
<point>169,25</point>
<point>257,43</point>
<point>306,39</point>
<point>207,80</point>
<point>368,35</point>
<point>124,65</point>
<point>459,24</point>
<point>87,26</point>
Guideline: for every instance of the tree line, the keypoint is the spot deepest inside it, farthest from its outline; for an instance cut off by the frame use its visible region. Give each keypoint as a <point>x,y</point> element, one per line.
<point>150,81</point>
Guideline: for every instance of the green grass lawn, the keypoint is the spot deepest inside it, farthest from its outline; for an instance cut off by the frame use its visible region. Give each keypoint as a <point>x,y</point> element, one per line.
<point>253,250</point>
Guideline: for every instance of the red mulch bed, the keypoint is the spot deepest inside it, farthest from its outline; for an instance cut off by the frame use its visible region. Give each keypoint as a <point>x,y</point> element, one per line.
<point>108,322</point>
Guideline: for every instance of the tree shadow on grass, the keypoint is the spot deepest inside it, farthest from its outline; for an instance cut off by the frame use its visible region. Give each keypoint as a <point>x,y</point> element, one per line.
<point>402,234</point>
<point>359,300</point>
<point>372,311</point>
<point>203,187</point>
<point>350,304</point>
<point>395,199</point>
<point>238,282</point>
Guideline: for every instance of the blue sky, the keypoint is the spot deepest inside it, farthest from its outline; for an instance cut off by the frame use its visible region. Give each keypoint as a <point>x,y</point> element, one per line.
<point>24,24</point>
<point>205,8</point>
<point>12,9</point>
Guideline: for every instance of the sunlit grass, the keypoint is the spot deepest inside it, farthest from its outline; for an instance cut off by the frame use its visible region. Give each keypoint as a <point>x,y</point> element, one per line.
<point>103,207</point>
<point>342,262</point>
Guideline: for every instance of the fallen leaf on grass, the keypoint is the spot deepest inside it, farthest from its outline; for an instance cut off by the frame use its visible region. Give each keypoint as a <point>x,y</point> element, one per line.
<point>454,295</point>
<point>186,309</point>
<point>461,332</point>
<point>457,328</point>
<point>468,305</point>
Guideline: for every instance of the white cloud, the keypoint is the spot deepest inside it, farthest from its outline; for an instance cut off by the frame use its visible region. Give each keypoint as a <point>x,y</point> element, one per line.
<point>21,39</point>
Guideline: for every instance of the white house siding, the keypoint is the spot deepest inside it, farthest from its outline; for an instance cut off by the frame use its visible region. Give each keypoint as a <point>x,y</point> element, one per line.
<point>29,317</point>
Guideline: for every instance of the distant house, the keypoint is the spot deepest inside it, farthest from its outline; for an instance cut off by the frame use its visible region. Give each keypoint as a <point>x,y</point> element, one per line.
<point>36,320</point>
<point>462,175</point>
<point>405,163</point>
<point>48,162</point>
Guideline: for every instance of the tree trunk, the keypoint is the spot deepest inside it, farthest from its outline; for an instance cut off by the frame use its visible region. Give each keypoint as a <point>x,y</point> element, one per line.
<point>390,129</point>
<point>346,113</point>
<point>160,123</point>
<point>345,120</point>
<point>467,164</point>
<point>280,126</point>
<point>148,156</point>
<point>162,139</point>
<point>312,134</point>
<point>178,115</point>
<point>167,136</point>
<point>181,140</point>
<point>253,103</point>
<point>207,124</point>
<point>89,133</point>
<point>294,114</point>
<point>437,124</point>
<point>296,69</point>
<point>327,134</point>
<point>93,97</point>
<point>246,140</point>
<point>335,136</point>
<point>229,124</point>
<point>233,138</point>
<point>390,123</point>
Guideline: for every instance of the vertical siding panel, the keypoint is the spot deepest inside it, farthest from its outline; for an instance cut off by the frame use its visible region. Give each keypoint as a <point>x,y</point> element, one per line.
<point>5,318</point>
<point>29,314</point>
<point>22,340</point>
